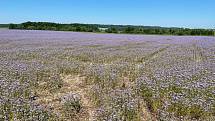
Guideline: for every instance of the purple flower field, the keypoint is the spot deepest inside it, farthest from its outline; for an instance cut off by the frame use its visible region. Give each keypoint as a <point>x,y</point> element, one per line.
<point>49,75</point>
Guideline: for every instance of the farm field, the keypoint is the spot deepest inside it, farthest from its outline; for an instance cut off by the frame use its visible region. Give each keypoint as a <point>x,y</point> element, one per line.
<point>49,75</point>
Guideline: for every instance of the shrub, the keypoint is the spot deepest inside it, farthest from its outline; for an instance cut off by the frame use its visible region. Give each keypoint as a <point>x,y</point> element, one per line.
<point>71,104</point>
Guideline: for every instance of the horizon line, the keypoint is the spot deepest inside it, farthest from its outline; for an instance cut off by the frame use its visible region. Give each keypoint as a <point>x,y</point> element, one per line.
<point>212,28</point>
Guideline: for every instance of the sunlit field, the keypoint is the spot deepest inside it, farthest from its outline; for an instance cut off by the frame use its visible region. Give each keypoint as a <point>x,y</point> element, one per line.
<point>49,75</point>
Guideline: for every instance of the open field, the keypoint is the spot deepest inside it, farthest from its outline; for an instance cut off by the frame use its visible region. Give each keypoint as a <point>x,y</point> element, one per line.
<point>47,75</point>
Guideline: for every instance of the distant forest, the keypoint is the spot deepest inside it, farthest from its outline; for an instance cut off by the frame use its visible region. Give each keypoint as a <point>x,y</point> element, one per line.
<point>126,29</point>
<point>4,25</point>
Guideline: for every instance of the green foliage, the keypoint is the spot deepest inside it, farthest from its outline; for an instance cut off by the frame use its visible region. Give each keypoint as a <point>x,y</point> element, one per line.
<point>182,110</point>
<point>146,92</point>
<point>129,115</point>
<point>111,30</point>
<point>54,26</point>
<point>128,29</point>
<point>54,84</point>
<point>4,25</point>
<point>179,109</point>
<point>196,112</point>
<point>154,104</point>
<point>72,106</point>
<point>50,82</point>
<point>176,89</point>
<point>12,26</point>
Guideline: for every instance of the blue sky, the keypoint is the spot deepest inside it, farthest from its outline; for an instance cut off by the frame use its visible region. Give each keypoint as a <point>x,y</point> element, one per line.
<point>178,13</point>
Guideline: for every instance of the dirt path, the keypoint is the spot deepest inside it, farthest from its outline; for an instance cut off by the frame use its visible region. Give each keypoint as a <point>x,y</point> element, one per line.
<point>198,54</point>
<point>144,113</point>
<point>77,86</point>
<point>71,84</point>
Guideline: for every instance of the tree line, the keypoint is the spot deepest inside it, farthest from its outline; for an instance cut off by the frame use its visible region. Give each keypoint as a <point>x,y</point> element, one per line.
<point>55,26</point>
<point>4,25</point>
<point>127,29</point>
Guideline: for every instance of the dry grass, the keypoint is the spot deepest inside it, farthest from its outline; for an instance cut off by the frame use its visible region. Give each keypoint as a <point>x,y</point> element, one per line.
<point>71,84</point>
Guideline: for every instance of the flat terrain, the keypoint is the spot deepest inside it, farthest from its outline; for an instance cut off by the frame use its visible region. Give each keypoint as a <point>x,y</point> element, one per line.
<point>49,75</point>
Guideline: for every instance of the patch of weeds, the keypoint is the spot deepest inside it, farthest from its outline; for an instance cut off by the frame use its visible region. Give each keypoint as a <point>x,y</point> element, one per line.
<point>71,105</point>
<point>72,69</point>
<point>129,114</point>
<point>83,58</point>
<point>54,83</point>
<point>179,109</point>
<point>176,89</point>
<point>196,112</point>
<point>153,103</point>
